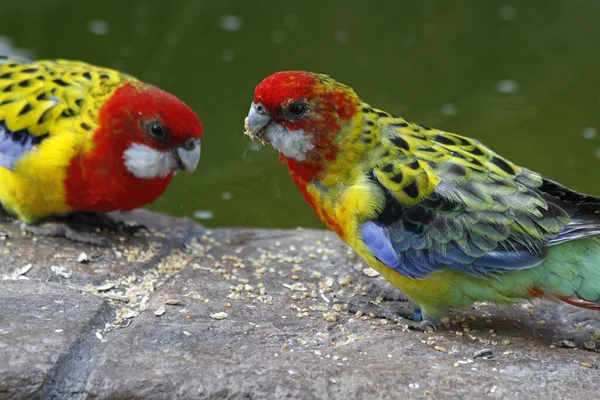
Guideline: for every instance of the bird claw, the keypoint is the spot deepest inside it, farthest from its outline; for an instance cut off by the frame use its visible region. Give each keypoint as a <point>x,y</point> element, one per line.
<point>60,226</point>
<point>402,313</point>
<point>382,289</point>
<point>424,326</point>
<point>61,229</point>
<point>103,221</point>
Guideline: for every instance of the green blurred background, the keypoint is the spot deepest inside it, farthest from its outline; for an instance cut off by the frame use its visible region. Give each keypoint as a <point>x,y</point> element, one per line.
<point>522,77</point>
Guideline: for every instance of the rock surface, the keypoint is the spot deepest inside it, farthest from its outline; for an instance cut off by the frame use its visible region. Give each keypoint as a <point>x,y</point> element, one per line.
<point>182,312</point>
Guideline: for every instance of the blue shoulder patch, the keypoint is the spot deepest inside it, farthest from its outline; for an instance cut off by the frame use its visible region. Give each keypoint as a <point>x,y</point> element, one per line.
<point>14,144</point>
<point>377,239</point>
<point>397,251</point>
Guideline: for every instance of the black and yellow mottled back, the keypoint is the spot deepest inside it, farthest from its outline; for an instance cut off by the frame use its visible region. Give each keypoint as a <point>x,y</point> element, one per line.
<point>450,202</point>
<point>33,96</point>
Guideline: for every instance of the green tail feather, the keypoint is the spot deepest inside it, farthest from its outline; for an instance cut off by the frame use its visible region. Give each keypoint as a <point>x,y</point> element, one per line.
<point>571,272</point>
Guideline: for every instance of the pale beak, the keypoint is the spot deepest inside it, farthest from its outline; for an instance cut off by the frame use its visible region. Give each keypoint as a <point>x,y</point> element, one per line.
<point>187,155</point>
<point>258,118</point>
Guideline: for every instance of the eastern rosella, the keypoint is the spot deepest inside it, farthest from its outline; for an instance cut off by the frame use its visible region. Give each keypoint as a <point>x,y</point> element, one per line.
<point>440,216</point>
<point>79,138</point>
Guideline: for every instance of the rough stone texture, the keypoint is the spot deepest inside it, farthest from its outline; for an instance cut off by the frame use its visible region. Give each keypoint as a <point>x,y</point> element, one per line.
<point>276,287</point>
<point>43,326</point>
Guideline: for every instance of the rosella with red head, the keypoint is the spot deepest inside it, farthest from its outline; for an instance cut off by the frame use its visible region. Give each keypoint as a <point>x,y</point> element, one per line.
<point>442,217</point>
<point>79,138</point>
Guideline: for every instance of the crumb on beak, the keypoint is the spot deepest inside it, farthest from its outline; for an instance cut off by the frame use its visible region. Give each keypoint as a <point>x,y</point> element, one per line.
<point>255,135</point>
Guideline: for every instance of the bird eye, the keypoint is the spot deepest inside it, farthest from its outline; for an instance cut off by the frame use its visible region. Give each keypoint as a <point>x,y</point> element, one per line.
<point>260,109</point>
<point>297,108</point>
<point>157,130</point>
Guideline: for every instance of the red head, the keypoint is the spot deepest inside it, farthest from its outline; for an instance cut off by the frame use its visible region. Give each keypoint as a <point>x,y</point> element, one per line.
<point>299,113</point>
<point>144,135</point>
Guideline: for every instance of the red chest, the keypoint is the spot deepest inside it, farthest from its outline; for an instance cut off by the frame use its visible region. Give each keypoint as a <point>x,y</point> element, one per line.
<point>102,183</point>
<point>315,199</point>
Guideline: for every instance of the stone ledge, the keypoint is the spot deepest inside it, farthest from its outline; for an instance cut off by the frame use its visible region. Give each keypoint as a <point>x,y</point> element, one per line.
<point>91,330</point>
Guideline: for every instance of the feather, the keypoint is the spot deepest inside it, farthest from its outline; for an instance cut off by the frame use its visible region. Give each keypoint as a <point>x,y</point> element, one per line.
<point>500,219</point>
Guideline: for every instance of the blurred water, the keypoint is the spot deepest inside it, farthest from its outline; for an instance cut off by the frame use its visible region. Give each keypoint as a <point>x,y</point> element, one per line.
<point>522,77</point>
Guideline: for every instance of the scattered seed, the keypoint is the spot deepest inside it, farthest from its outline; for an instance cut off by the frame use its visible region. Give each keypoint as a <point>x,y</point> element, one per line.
<point>484,353</point>
<point>83,258</point>
<point>173,302</point>
<point>160,311</point>
<point>329,317</point>
<point>440,348</point>
<point>590,346</point>
<point>219,315</point>
<point>370,272</point>
<point>18,274</point>
<point>127,313</point>
<point>105,286</point>
<point>567,343</point>
<point>345,280</point>
<point>99,335</point>
<point>61,271</point>
<point>116,297</point>
<point>186,333</point>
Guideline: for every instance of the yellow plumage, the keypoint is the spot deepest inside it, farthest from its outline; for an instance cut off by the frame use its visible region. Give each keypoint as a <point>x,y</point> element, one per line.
<point>58,99</point>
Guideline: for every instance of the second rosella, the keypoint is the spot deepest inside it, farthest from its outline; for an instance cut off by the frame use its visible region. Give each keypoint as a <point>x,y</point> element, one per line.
<point>440,216</point>
<point>79,138</point>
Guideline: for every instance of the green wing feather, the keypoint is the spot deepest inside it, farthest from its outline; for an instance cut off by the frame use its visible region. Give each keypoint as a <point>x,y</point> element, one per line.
<point>450,202</point>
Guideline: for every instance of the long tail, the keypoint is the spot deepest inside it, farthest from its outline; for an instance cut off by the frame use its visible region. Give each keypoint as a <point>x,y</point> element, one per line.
<point>580,303</point>
<point>571,273</point>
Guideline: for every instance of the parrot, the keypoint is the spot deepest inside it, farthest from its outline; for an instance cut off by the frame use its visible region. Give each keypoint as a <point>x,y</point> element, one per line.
<point>78,139</point>
<point>440,216</point>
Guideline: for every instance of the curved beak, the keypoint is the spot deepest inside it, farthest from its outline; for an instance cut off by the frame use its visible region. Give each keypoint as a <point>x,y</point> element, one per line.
<point>256,122</point>
<point>187,155</point>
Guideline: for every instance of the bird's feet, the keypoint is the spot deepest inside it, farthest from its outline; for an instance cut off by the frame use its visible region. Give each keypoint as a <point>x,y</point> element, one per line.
<point>391,304</point>
<point>402,313</point>
<point>383,291</point>
<point>103,221</point>
<point>64,227</point>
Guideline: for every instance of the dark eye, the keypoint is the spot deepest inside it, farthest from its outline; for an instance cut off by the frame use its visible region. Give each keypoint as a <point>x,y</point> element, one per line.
<point>297,108</point>
<point>157,130</point>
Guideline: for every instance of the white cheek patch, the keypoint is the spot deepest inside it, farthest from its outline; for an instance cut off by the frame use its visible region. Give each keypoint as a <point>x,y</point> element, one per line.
<point>293,144</point>
<point>144,162</point>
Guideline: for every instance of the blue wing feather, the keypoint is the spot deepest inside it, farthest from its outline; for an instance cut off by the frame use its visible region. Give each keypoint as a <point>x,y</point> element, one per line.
<point>377,238</point>
<point>13,145</point>
<point>418,263</point>
<point>476,221</point>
